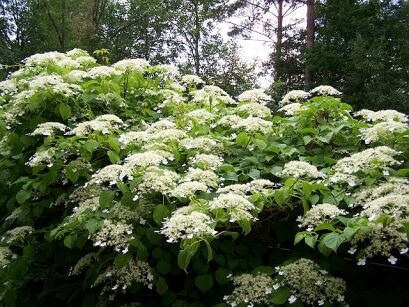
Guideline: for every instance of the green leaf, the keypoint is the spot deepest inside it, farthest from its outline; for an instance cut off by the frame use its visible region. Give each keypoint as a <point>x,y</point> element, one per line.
<point>221,276</point>
<point>22,196</point>
<point>325,226</point>
<point>242,139</point>
<point>106,198</point>
<point>163,267</point>
<point>307,188</point>
<point>204,282</point>
<point>349,232</point>
<point>299,237</point>
<point>323,249</point>
<point>159,213</point>
<point>69,241</point>
<point>93,225</point>
<point>254,173</point>
<point>91,145</point>
<point>264,269</point>
<point>307,139</point>
<point>280,196</point>
<point>310,240</point>
<point>186,254</point>
<point>209,251</point>
<point>113,157</point>
<point>280,296</point>
<point>161,286</point>
<point>333,241</point>
<point>65,111</point>
<point>314,199</point>
<point>121,260</point>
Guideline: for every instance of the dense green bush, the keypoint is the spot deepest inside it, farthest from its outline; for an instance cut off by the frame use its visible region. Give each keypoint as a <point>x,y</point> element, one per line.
<point>132,185</point>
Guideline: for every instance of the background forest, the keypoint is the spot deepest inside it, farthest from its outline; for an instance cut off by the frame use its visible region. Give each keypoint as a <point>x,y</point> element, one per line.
<point>359,47</point>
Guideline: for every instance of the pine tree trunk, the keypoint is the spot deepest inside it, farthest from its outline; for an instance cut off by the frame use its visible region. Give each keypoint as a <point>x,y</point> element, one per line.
<point>279,42</point>
<point>308,76</point>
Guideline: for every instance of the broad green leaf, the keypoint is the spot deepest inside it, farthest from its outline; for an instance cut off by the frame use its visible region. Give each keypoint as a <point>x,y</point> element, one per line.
<point>204,282</point>
<point>159,213</point>
<point>333,241</point>
<point>106,198</point>
<point>242,139</point>
<point>186,254</point>
<point>161,286</point>
<point>69,241</point>
<point>221,276</point>
<point>91,145</point>
<point>65,111</point>
<point>113,157</point>
<point>163,267</point>
<point>254,173</point>
<point>93,225</point>
<point>325,226</point>
<point>299,237</point>
<point>280,296</point>
<point>22,196</point>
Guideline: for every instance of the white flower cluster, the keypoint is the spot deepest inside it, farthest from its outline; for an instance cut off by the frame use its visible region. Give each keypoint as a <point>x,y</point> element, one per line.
<point>200,115</point>
<point>299,169</point>
<point>187,224</point>
<point>131,65</point>
<point>76,75</point>
<point>379,157</point>
<point>291,109</point>
<point>252,187</point>
<point>158,180</point>
<point>384,237</point>
<point>229,121</point>
<point>394,185</point>
<point>5,256</point>
<point>254,124</point>
<point>322,213</point>
<point>42,157</point>
<point>113,234</point>
<point>103,123</point>
<point>325,90</point>
<point>206,177</point>
<point>83,263</point>
<point>17,234</point>
<point>254,109</point>
<point>382,115</point>
<point>115,279</point>
<point>49,128</point>
<point>147,158</point>
<point>211,95</point>
<point>171,98</point>
<point>250,289</point>
<point>206,161</point>
<point>54,83</point>
<point>133,137</point>
<point>295,96</point>
<point>236,206</point>
<point>101,72</point>
<point>189,188</point>
<point>168,135</point>
<point>41,59</point>
<point>201,143</point>
<point>382,131</point>
<point>310,284</point>
<point>8,87</point>
<point>192,80</point>
<point>167,71</point>
<point>109,174</point>
<point>256,95</point>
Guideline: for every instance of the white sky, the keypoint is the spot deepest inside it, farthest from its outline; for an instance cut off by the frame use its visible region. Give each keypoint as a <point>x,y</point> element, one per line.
<point>255,50</point>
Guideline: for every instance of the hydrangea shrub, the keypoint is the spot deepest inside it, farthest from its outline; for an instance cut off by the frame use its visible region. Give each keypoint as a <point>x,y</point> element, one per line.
<point>132,185</point>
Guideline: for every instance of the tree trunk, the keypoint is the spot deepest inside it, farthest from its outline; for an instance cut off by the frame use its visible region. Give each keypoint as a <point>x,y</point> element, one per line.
<point>308,76</point>
<point>279,42</point>
<point>196,38</point>
<point>62,40</point>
